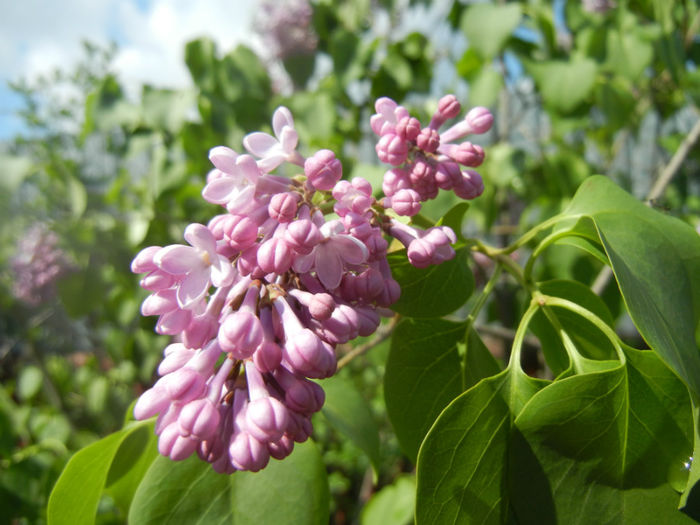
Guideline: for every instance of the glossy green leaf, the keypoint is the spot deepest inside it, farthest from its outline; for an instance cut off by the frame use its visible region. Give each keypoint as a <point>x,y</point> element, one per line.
<point>293,491</point>
<point>462,463</point>
<point>434,291</point>
<point>77,492</point>
<point>454,218</point>
<point>350,414</point>
<point>188,491</point>
<point>612,438</point>
<point>393,505</point>
<point>479,362</point>
<point>488,26</point>
<point>639,241</point>
<point>422,376</point>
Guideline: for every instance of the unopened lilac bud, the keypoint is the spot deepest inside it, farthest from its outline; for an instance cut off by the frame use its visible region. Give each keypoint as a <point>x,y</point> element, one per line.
<point>247,263</point>
<point>240,334</point>
<point>392,150</point>
<point>321,306</point>
<point>160,302</point>
<point>248,453</point>
<point>239,231</point>
<point>408,128</point>
<point>323,170</point>
<point>183,385</point>
<point>151,402</point>
<point>175,446</point>
<point>157,280</point>
<point>394,180</point>
<point>405,202</point>
<point>300,428</point>
<point>199,418</point>
<point>428,140</point>
<point>275,256</point>
<point>173,322</point>
<point>302,235</point>
<point>281,448</point>
<point>470,185</point>
<point>300,394</point>
<point>480,120</point>
<point>268,356</point>
<point>266,419</point>
<point>390,294</point>
<point>143,262</point>
<point>283,206</point>
<point>176,356</point>
<point>368,321</point>
<point>200,331</point>
<point>449,107</point>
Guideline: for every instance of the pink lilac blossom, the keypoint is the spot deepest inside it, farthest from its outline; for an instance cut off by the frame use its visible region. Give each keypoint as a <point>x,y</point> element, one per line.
<point>37,264</point>
<point>267,289</point>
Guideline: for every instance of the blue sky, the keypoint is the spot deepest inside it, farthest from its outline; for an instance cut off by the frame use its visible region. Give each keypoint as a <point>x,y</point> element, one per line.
<point>37,36</point>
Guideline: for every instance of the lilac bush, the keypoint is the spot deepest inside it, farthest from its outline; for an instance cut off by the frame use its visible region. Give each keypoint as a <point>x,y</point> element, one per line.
<point>293,267</point>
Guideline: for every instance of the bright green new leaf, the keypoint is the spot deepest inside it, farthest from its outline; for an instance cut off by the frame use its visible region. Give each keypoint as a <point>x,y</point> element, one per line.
<point>564,85</point>
<point>393,505</point>
<point>350,414</point>
<point>488,26</point>
<point>77,492</point>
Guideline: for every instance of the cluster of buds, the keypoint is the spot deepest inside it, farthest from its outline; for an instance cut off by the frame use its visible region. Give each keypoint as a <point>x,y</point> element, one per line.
<point>260,298</point>
<point>426,161</point>
<point>37,264</point>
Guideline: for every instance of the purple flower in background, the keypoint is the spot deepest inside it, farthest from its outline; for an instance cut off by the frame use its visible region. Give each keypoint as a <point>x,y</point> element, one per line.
<point>285,25</point>
<point>37,264</point>
<point>598,6</point>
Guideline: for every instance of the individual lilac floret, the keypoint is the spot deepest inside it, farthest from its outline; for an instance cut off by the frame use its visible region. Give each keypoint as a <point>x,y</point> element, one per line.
<point>273,151</point>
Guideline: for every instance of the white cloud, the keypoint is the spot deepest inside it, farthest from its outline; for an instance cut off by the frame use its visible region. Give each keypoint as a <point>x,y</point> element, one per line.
<point>155,40</point>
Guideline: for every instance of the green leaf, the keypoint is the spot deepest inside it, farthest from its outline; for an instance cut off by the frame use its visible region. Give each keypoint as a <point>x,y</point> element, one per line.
<point>434,291</point>
<point>454,218</point>
<point>188,491</point>
<point>656,261</point>
<point>488,26</point>
<point>628,54</point>
<point>130,464</point>
<point>479,362</point>
<point>77,492</point>
<point>422,376</point>
<point>293,491</point>
<point>350,414</point>
<point>462,463</point>
<point>29,382</point>
<point>564,85</point>
<point>609,437</point>
<point>165,109</point>
<point>15,170</point>
<point>485,87</point>
<point>393,505</point>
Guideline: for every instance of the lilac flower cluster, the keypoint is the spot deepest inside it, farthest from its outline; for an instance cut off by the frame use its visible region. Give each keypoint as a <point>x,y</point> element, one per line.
<point>286,27</point>
<point>37,264</point>
<point>261,297</point>
<point>426,161</point>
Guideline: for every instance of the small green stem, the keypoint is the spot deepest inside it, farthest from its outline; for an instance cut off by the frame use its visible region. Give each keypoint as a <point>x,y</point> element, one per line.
<point>531,234</point>
<point>589,316</point>
<point>542,246</point>
<point>520,333</point>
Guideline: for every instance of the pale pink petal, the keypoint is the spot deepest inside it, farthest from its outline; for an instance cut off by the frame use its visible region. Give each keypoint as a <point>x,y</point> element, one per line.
<point>201,237</point>
<point>221,272</point>
<point>240,198</point>
<point>177,259</point>
<point>289,139</point>
<point>173,322</point>
<point>303,263</point>
<point>281,118</point>
<point>270,162</point>
<point>223,158</point>
<point>248,168</point>
<point>260,144</point>
<point>350,249</point>
<point>193,287</point>
<point>220,191</point>
<point>328,265</point>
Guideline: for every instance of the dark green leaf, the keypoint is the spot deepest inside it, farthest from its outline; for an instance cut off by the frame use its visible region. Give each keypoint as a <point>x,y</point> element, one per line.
<point>479,362</point>
<point>423,375</point>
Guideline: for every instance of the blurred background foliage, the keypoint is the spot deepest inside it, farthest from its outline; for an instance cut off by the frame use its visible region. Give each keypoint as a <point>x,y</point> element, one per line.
<point>577,88</point>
